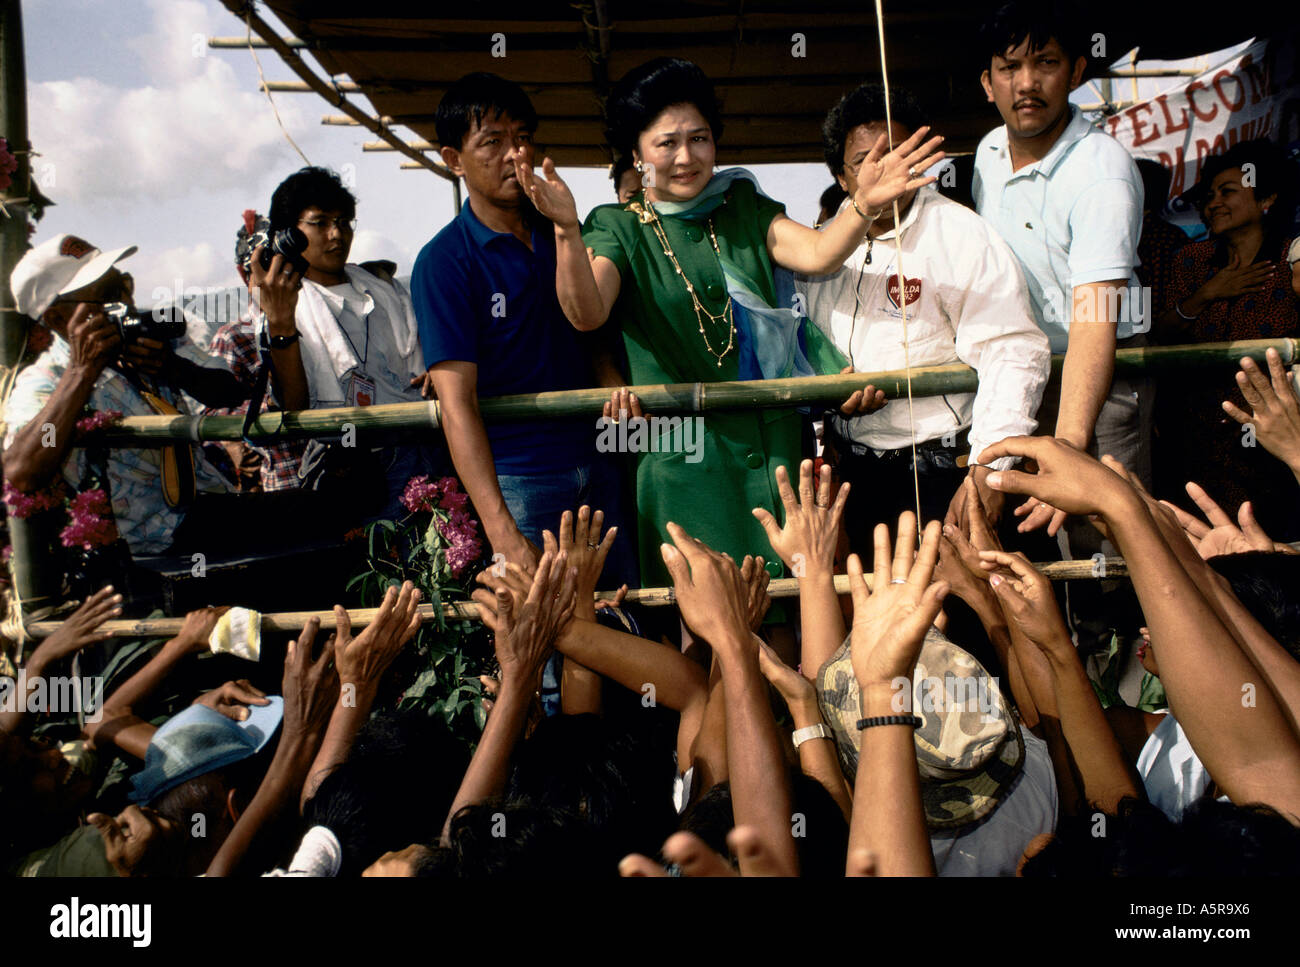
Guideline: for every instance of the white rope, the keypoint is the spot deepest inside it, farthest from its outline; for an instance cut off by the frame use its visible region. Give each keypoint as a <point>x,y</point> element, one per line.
<point>248,19</point>
<point>902,279</point>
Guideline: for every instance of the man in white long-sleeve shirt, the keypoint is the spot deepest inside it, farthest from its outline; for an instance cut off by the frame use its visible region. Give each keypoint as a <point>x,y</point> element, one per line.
<point>966,302</point>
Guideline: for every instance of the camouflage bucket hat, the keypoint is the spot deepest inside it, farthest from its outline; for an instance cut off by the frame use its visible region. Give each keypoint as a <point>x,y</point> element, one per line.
<point>968,747</point>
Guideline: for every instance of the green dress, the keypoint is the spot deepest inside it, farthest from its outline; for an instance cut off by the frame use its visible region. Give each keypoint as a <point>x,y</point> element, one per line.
<point>711,498</point>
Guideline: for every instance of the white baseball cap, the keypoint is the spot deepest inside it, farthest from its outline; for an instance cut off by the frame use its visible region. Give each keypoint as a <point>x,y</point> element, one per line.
<point>55,268</point>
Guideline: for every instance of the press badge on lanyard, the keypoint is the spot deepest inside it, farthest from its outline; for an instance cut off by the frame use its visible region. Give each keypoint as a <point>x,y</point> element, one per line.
<point>361,389</point>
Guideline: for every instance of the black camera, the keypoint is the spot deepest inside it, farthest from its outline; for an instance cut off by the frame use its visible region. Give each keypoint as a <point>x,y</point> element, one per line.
<point>132,324</point>
<point>289,243</point>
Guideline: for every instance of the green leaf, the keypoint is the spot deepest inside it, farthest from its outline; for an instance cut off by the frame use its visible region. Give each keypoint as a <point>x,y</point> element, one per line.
<point>1152,697</point>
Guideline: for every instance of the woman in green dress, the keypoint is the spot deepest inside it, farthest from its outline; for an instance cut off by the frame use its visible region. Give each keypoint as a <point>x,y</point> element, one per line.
<point>686,269</point>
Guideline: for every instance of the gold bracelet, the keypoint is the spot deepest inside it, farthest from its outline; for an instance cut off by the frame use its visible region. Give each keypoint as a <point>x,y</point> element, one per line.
<point>870,218</point>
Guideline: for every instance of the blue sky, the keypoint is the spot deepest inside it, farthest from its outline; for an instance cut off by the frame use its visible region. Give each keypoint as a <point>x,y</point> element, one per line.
<point>147,137</point>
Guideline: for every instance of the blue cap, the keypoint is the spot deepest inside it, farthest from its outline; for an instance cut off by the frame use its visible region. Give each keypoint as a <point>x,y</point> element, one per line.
<point>201,740</point>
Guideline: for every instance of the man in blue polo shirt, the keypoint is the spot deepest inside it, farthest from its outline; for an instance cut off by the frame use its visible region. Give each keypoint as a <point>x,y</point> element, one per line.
<point>490,324</point>
<point>1067,198</point>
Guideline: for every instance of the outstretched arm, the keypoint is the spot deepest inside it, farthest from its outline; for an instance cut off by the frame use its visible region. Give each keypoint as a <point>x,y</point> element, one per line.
<point>525,636</point>
<point>1248,748</point>
<point>889,627</point>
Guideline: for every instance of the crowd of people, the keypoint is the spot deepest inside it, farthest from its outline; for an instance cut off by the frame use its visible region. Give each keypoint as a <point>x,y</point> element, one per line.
<point>939,717</point>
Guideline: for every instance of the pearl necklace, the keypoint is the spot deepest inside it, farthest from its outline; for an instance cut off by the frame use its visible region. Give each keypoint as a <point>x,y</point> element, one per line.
<point>727,317</point>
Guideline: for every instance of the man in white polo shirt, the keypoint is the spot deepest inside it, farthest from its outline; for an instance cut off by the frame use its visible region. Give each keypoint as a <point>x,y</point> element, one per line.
<point>966,302</point>
<point>1068,200</point>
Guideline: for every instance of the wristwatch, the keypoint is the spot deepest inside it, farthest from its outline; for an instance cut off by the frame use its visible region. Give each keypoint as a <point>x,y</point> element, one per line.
<point>284,342</point>
<point>818,731</point>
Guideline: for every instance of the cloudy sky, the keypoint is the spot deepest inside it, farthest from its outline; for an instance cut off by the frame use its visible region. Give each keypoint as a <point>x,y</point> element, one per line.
<point>146,136</point>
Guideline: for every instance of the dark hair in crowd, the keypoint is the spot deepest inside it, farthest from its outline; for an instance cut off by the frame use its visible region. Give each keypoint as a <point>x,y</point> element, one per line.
<point>1265,583</point>
<point>1040,21</point>
<point>1213,839</point>
<point>303,189</point>
<point>829,202</point>
<point>472,99</point>
<point>394,789</point>
<point>616,781</point>
<point>208,792</point>
<point>865,104</point>
<point>622,165</point>
<point>1272,175</point>
<point>516,839</point>
<point>646,91</point>
<point>1155,182</point>
<point>823,839</point>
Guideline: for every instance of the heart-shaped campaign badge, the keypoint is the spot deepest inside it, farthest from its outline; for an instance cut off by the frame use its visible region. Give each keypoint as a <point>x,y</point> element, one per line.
<point>913,290</point>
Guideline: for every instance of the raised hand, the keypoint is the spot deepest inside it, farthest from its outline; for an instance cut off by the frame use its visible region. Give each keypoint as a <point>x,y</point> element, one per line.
<point>792,686</point>
<point>549,194</point>
<point>310,688</point>
<point>711,594</point>
<point>233,698</point>
<point>890,623</point>
<point>959,553</point>
<point>1028,600</point>
<point>1275,408</point>
<point>693,857</point>
<point>888,175</point>
<point>363,660</point>
<point>1069,480</point>
<point>587,549</point>
<point>78,629</point>
<point>812,524</point>
<point>525,632</point>
<point>1221,536</point>
<point>756,578</point>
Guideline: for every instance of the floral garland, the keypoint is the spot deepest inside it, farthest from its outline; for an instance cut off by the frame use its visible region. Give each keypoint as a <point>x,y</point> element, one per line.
<point>91,524</point>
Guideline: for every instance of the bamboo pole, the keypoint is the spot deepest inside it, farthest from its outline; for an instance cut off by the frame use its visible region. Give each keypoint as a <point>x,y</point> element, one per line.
<point>663,399</point>
<point>36,579</point>
<point>332,93</point>
<point>293,621</point>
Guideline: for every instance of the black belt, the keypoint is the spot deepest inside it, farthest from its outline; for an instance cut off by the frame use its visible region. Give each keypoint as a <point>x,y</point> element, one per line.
<point>931,456</point>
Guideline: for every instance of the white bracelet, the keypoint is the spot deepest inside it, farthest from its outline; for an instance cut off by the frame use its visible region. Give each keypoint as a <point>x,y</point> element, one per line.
<point>818,731</point>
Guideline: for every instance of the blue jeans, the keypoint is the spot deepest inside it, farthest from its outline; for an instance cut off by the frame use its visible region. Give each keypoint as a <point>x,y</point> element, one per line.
<point>537,501</point>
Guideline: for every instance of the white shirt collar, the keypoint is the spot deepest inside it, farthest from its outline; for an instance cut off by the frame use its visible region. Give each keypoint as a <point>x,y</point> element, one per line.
<point>358,300</point>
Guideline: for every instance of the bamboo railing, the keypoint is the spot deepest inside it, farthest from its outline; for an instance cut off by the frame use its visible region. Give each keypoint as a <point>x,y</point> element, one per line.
<point>663,398</point>
<point>293,621</point>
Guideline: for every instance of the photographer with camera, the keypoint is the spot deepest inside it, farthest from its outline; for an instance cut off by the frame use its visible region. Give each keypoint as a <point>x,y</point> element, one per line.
<point>336,334</point>
<point>105,357</point>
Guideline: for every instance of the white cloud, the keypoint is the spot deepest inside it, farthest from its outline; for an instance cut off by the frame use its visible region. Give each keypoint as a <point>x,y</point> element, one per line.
<point>196,127</point>
<point>180,268</point>
<point>369,244</point>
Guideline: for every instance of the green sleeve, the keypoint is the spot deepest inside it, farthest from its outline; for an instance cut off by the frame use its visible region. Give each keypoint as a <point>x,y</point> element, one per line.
<point>600,236</point>
<point>765,208</point>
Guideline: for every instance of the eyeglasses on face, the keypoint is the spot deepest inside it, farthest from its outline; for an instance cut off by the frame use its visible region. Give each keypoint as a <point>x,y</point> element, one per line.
<point>323,224</point>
